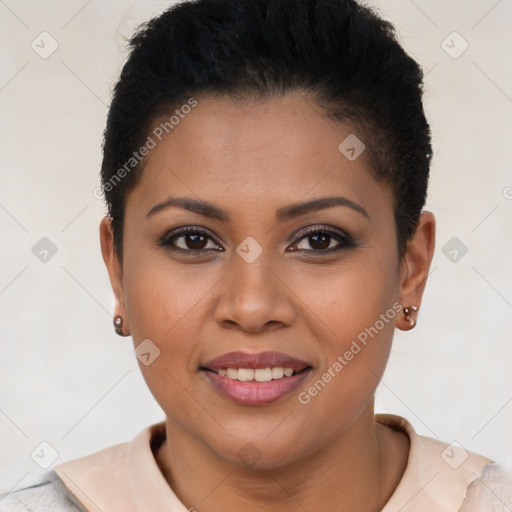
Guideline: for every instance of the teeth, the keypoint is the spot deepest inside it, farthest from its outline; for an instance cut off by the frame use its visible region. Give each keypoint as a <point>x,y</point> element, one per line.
<point>277,372</point>
<point>245,374</point>
<point>232,373</point>
<point>259,374</point>
<point>263,374</point>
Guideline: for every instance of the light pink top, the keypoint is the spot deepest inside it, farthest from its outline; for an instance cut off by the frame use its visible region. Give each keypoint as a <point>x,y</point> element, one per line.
<point>126,477</point>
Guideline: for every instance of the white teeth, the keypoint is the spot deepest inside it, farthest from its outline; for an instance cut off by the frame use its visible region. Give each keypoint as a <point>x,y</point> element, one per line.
<point>258,374</point>
<point>263,374</point>
<point>232,373</point>
<point>277,372</point>
<point>245,374</point>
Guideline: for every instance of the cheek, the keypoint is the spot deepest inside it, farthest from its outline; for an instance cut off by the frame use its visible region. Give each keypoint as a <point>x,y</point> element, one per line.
<point>354,326</point>
<point>165,303</point>
<point>349,299</point>
<point>164,299</point>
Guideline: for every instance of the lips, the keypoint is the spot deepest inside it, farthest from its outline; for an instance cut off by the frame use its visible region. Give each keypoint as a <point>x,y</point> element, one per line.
<point>252,392</point>
<point>253,361</point>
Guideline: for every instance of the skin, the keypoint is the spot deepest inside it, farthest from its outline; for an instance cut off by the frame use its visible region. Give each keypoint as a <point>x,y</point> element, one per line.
<point>251,158</point>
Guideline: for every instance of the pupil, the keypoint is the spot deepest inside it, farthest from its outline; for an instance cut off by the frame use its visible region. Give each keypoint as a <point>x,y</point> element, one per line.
<point>195,240</point>
<point>324,245</point>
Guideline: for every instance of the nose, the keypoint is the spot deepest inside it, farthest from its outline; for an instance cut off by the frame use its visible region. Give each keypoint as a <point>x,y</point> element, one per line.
<point>253,297</point>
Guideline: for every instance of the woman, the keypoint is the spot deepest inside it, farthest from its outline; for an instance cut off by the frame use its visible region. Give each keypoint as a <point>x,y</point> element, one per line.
<point>265,167</point>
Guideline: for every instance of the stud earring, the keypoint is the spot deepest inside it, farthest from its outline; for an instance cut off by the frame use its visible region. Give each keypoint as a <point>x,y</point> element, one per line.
<point>118,325</point>
<point>408,313</point>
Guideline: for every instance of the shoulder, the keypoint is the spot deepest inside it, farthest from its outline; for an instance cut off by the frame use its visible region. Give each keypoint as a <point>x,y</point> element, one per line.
<point>45,493</point>
<point>492,491</point>
<point>438,474</point>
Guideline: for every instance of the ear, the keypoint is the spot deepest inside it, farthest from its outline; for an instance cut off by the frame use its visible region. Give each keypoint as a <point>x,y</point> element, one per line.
<point>415,266</point>
<point>114,267</point>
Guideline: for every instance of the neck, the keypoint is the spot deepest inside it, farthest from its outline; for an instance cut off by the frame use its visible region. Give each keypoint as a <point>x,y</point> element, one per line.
<point>359,470</point>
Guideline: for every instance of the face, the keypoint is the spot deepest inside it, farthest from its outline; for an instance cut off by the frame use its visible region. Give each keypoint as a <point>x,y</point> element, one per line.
<point>258,282</point>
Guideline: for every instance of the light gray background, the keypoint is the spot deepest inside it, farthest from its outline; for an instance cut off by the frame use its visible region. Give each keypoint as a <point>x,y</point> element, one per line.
<point>67,379</point>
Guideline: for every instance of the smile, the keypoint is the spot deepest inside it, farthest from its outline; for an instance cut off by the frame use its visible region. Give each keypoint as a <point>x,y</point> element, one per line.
<point>257,374</point>
<point>255,379</point>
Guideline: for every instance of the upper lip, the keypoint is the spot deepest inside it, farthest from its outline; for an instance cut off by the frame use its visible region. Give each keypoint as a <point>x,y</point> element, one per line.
<point>257,360</point>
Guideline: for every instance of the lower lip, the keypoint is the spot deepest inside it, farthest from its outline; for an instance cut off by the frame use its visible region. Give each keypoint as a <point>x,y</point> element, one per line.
<point>253,392</point>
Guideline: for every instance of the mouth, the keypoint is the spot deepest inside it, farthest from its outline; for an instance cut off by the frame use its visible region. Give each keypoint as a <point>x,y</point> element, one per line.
<point>255,379</point>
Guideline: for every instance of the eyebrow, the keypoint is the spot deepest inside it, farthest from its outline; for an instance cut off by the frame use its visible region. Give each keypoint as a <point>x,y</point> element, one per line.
<point>284,213</point>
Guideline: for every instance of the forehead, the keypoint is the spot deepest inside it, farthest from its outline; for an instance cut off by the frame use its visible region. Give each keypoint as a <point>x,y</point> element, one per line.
<point>275,150</point>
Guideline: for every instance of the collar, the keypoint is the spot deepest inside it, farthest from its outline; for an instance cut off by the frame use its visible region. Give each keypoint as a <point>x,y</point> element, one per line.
<point>126,476</point>
<point>437,475</point>
<point>122,477</point>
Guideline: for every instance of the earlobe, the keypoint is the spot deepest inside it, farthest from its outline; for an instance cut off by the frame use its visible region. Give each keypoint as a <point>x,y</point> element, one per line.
<point>415,268</point>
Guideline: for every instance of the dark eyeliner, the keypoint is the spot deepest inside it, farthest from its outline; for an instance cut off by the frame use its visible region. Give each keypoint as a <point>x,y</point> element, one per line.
<point>167,240</point>
<point>345,241</point>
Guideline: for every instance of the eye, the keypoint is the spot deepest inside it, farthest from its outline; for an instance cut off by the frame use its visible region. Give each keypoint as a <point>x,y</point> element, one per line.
<point>196,240</point>
<point>323,240</point>
<point>189,239</point>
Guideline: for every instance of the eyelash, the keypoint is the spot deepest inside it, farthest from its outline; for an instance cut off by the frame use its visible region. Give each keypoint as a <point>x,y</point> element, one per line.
<point>345,240</point>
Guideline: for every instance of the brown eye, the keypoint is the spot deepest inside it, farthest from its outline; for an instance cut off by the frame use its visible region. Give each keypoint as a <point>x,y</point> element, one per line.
<point>194,241</point>
<point>323,241</point>
<point>189,240</point>
<point>320,241</point>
